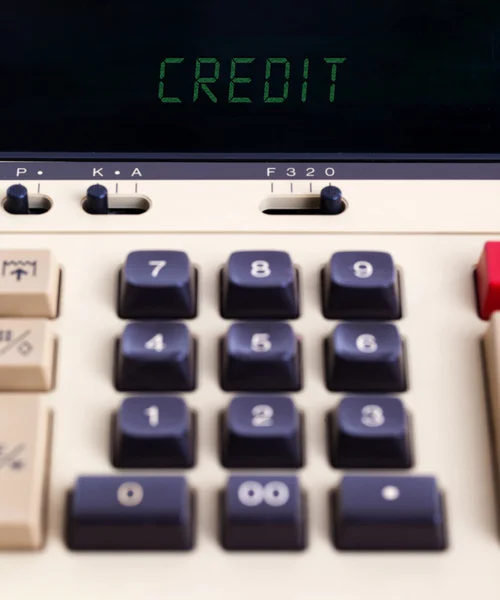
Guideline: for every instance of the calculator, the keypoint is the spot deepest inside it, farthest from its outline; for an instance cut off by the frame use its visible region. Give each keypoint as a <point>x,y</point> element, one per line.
<point>249,300</point>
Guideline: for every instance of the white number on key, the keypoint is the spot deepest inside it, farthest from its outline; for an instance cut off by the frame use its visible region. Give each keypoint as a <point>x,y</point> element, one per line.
<point>362,269</point>
<point>153,414</point>
<point>366,343</point>
<point>260,269</point>
<point>130,493</point>
<point>158,266</point>
<point>262,415</point>
<point>390,493</point>
<point>372,415</point>
<point>261,342</point>
<point>156,343</point>
<point>253,493</point>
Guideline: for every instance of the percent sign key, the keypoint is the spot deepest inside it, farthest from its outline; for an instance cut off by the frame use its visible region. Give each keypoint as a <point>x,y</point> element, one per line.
<point>27,354</point>
<point>24,447</point>
<point>12,456</point>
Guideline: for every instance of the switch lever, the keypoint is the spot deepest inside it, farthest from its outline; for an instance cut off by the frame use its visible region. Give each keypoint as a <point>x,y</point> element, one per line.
<point>331,202</point>
<point>16,202</point>
<point>96,202</point>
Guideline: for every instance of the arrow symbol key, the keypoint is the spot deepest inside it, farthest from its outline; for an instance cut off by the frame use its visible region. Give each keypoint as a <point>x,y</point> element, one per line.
<point>19,273</point>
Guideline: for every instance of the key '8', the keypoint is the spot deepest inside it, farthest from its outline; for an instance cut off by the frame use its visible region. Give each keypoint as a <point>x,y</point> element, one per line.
<point>260,269</point>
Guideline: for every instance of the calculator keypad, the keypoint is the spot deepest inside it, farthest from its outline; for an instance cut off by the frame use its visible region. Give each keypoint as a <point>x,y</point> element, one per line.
<point>261,428</point>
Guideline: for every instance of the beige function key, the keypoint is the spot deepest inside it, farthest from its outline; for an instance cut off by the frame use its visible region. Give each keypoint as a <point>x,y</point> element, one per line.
<point>492,358</point>
<point>27,355</point>
<point>29,283</point>
<point>24,465</point>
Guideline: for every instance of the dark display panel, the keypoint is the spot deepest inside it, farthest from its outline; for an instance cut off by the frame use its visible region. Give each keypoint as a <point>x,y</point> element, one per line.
<point>250,76</point>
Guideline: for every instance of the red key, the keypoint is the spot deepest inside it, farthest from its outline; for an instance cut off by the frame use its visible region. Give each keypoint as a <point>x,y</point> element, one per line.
<point>488,280</point>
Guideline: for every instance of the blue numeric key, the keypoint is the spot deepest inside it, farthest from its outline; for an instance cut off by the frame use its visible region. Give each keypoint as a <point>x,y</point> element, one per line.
<point>365,357</point>
<point>259,285</point>
<point>154,432</point>
<point>130,513</point>
<point>388,513</point>
<point>262,432</point>
<point>260,357</point>
<point>370,432</point>
<point>263,513</point>
<point>361,285</point>
<point>157,357</point>
<point>157,284</point>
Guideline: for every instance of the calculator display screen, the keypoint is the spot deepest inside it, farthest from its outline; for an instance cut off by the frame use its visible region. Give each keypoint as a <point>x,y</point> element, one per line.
<point>250,76</point>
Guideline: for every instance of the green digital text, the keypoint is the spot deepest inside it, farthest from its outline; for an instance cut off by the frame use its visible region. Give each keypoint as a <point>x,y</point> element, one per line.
<point>163,73</point>
<point>201,83</point>
<point>248,80</point>
<point>305,76</point>
<point>333,74</point>
<point>235,80</point>
<point>286,83</point>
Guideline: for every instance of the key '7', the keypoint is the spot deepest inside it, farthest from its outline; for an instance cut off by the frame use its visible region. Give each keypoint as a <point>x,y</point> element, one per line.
<point>158,266</point>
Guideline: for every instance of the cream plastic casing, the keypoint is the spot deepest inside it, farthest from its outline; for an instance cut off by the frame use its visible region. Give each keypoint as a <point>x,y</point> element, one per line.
<point>435,243</point>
